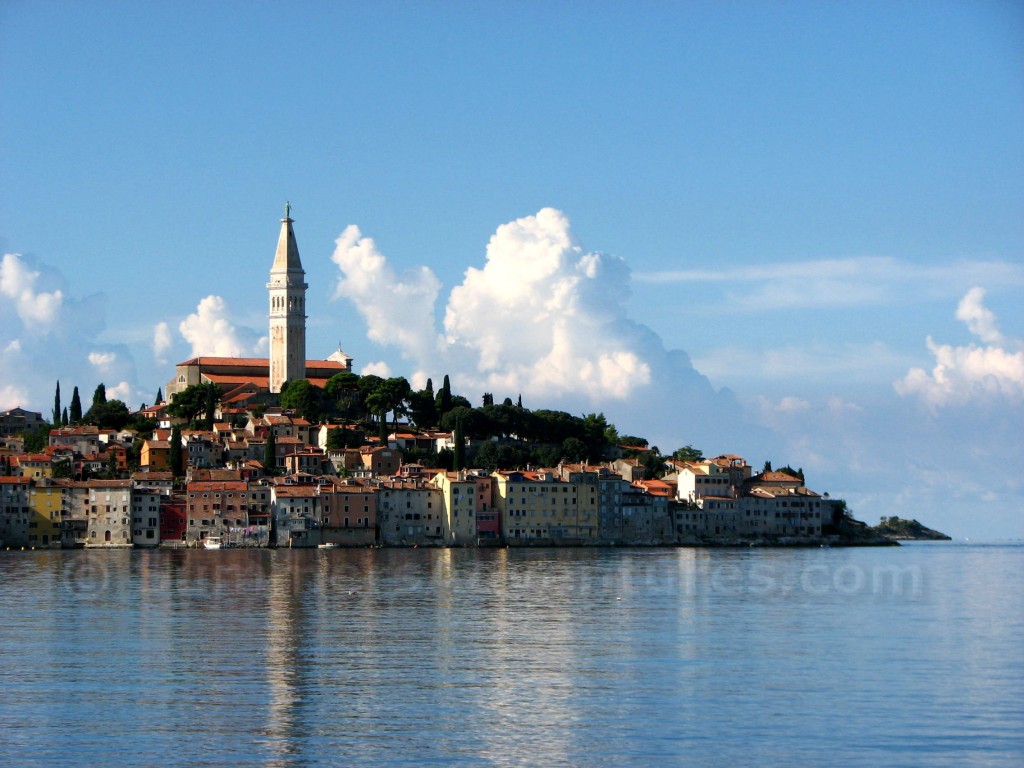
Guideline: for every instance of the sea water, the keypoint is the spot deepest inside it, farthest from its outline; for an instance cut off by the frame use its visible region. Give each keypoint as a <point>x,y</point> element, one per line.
<point>909,656</point>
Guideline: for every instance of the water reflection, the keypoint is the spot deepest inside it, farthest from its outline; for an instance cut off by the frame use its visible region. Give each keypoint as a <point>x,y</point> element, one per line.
<point>509,657</point>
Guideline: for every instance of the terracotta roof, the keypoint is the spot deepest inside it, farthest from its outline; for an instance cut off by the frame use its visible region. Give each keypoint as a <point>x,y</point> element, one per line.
<point>212,485</point>
<point>776,477</point>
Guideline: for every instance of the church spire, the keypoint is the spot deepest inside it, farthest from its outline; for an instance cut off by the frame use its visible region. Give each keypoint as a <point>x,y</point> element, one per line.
<point>287,256</point>
<point>287,293</point>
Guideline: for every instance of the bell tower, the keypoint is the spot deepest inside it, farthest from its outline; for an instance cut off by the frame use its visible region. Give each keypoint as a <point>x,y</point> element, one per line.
<point>287,289</point>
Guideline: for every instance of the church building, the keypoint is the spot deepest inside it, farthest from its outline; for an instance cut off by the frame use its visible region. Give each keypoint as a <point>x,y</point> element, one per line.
<point>287,314</point>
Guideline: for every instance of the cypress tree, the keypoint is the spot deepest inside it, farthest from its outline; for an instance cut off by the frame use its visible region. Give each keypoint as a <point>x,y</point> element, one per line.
<point>177,465</point>
<point>64,418</point>
<point>444,397</point>
<point>159,396</point>
<point>76,407</point>
<point>212,394</point>
<point>56,406</point>
<point>99,397</point>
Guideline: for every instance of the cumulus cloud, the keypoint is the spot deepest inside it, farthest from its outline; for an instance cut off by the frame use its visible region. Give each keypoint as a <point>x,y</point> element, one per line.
<point>46,334</point>
<point>122,391</point>
<point>380,368</point>
<point>162,341</point>
<point>211,331</point>
<point>398,309</point>
<point>18,282</point>
<point>971,373</point>
<point>542,317</point>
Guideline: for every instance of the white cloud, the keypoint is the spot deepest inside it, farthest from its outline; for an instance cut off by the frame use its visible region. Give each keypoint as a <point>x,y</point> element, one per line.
<point>546,317</point>
<point>971,373</point>
<point>398,309</point>
<point>849,282</point>
<point>122,391</point>
<point>162,341</point>
<point>102,361</point>
<point>980,319</point>
<point>12,396</point>
<point>542,317</point>
<point>211,332</point>
<point>36,309</point>
<point>47,334</point>
<point>379,368</point>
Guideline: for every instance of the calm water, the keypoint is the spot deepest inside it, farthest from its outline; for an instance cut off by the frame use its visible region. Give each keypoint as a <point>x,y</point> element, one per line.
<point>867,657</point>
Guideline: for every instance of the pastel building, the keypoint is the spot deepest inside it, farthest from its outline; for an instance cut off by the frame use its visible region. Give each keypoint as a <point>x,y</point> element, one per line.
<point>537,507</point>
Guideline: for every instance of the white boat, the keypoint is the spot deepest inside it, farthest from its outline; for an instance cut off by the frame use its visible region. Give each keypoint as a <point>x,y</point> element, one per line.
<point>212,542</point>
<point>328,545</point>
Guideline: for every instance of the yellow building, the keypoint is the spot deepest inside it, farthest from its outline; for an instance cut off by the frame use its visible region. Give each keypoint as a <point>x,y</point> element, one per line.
<point>35,466</point>
<point>44,504</point>
<point>540,508</point>
<point>458,503</point>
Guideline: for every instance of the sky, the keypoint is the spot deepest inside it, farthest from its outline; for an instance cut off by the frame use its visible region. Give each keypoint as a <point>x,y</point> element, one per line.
<point>787,230</point>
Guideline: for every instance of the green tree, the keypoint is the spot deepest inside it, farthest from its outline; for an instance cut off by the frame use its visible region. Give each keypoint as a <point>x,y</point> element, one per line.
<point>56,406</point>
<point>574,450</point>
<point>99,397</point>
<point>159,396</point>
<point>142,426</point>
<point>64,468</point>
<point>304,398</point>
<point>444,397</point>
<point>76,407</point>
<point>337,439</point>
<point>64,418</point>
<point>210,405</point>
<point>109,414</point>
<point>342,395</point>
<point>423,408</point>
<point>176,457</point>
<point>628,441</point>
<point>653,463</point>
<point>687,453</point>
<point>193,400</point>
<point>767,467</point>
<point>37,439</point>
<point>388,396</point>
<point>486,456</point>
<point>594,436</point>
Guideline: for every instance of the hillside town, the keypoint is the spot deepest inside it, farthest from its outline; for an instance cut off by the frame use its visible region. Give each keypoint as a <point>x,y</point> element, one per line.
<point>81,491</point>
<point>292,452</point>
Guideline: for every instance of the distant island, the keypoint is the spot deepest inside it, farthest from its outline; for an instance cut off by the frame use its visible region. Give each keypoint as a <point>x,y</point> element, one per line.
<point>898,529</point>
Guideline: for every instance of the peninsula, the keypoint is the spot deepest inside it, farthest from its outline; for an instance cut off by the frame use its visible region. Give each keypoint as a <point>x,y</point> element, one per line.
<point>293,452</point>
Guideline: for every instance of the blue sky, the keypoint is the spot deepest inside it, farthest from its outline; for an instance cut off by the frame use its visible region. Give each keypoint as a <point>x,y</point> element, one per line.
<point>728,224</point>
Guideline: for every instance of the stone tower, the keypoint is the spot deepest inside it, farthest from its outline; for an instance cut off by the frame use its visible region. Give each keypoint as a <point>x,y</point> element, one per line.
<point>287,289</point>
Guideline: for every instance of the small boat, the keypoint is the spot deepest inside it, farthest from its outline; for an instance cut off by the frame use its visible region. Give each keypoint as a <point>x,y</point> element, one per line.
<point>327,545</point>
<point>212,542</point>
